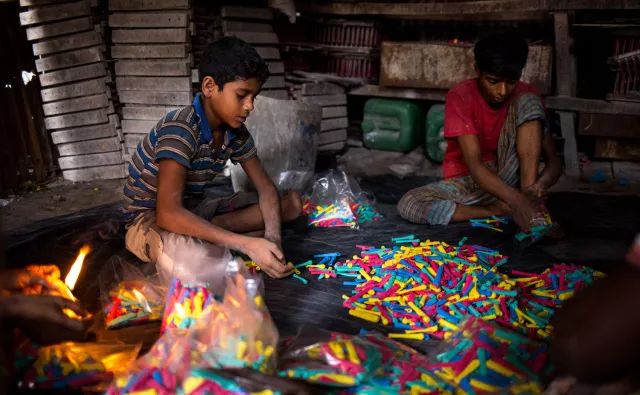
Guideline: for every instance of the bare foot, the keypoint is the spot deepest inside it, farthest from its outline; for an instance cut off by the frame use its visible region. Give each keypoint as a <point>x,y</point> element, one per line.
<point>499,208</point>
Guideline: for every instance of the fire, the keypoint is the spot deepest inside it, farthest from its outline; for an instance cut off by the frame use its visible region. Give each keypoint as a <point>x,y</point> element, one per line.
<point>76,268</point>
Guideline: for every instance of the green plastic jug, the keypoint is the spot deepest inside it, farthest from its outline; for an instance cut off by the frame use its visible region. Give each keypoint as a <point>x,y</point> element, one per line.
<point>392,125</point>
<point>435,144</point>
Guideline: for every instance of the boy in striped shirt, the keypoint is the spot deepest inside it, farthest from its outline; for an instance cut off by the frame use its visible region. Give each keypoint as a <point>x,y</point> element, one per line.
<point>187,149</point>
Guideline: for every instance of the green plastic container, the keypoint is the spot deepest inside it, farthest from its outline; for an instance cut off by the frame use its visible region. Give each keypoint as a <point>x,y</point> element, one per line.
<point>392,125</point>
<point>435,144</point>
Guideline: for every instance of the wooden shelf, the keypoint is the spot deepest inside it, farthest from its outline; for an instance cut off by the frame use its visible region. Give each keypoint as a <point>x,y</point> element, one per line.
<point>456,10</point>
<point>399,93</point>
<point>558,103</point>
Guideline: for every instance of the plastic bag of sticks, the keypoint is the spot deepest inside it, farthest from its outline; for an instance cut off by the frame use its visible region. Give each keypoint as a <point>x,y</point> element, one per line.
<point>238,331</point>
<point>129,296</point>
<point>337,201</point>
<point>482,357</point>
<point>78,365</point>
<point>329,358</point>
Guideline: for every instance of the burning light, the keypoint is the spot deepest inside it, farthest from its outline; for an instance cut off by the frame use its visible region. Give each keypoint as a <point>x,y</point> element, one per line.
<point>76,268</point>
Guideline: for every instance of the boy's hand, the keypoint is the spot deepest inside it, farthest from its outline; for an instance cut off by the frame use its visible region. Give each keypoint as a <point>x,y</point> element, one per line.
<point>43,320</point>
<point>269,257</point>
<point>524,212</point>
<point>29,280</point>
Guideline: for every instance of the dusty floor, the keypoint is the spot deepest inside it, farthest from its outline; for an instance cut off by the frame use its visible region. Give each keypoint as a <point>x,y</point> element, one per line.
<point>58,198</point>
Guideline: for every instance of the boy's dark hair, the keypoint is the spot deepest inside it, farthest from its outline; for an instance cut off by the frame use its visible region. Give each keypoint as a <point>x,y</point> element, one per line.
<point>502,54</point>
<point>229,59</point>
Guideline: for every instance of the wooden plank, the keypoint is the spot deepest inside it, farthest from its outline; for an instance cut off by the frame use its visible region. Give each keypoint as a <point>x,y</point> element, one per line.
<point>54,13</point>
<point>66,43</point>
<point>149,113</point>
<point>617,149</point>
<point>325,100</point>
<point>90,87</point>
<point>568,128</point>
<point>334,123</point>
<point>73,74</point>
<point>149,20</point>
<point>59,28</point>
<point>156,98</point>
<point>339,146</point>
<point>332,136</point>
<point>280,94</point>
<point>95,173</point>
<point>132,36</point>
<point>36,3</point>
<point>76,104</point>
<point>132,140</point>
<point>154,84</point>
<point>400,93</point>
<point>78,119</point>
<point>83,133</point>
<point>438,65</point>
<point>255,37</point>
<point>268,53</point>
<point>588,105</point>
<point>320,88</point>
<point>274,81</point>
<point>276,67</point>
<point>131,126</point>
<point>454,9</point>
<point>143,5</point>
<point>607,125</point>
<point>153,68</point>
<point>114,120</point>
<point>69,59</point>
<point>334,112</point>
<point>149,51</point>
<point>246,12</point>
<point>108,144</point>
<point>91,160</point>
<point>236,26</point>
<point>564,59</point>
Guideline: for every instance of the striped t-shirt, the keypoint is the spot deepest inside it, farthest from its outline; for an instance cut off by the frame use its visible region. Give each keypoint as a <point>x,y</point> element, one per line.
<point>185,136</point>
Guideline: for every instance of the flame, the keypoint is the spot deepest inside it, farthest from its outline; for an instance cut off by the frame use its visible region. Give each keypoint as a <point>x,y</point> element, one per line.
<point>76,268</point>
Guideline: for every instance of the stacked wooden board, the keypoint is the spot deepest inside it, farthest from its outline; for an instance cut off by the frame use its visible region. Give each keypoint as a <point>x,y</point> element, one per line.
<point>151,50</point>
<point>70,61</point>
<point>333,127</point>
<point>255,26</point>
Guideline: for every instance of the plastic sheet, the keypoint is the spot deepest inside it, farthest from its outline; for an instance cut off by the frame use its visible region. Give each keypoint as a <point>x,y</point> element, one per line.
<point>285,133</point>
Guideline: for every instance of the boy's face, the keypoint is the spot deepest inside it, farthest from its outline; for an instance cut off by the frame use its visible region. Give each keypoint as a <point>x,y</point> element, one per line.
<point>495,90</point>
<point>233,104</point>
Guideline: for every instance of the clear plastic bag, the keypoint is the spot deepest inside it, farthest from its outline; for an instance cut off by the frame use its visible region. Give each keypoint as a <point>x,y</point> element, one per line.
<point>162,369</point>
<point>329,358</point>
<point>185,304</point>
<point>76,365</point>
<point>337,201</point>
<point>128,295</point>
<point>485,358</point>
<point>238,332</point>
<point>192,261</point>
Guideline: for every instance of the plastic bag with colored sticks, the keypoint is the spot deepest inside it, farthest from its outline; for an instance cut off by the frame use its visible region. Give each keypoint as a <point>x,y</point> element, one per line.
<point>337,201</point>
<point>186,302</point>
<point>329,358</point>
<point>128,295</point>
<point>238,331</point>
<point>484,357</point>
<point>162,369</point>
<point>77,365</point>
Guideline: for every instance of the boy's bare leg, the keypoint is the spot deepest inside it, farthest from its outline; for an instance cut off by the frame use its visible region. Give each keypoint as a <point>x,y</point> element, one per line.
<point>250,219</point>
<point>465,213</point>
<point>529,147</point>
